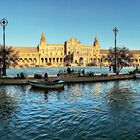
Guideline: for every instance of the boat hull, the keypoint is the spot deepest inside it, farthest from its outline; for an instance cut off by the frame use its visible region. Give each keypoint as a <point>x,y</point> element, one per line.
<point>47,84</point>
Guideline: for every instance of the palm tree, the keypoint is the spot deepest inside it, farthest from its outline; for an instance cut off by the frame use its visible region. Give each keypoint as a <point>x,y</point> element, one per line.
<point>124,58</point>
<point>11,58</point>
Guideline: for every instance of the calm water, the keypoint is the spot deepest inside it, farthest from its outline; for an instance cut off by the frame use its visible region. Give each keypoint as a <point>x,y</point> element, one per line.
<point>88,111</point>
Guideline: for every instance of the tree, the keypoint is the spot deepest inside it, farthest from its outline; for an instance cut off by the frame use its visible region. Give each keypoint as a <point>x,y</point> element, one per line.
<point>11,58</point>
<point>124,58</point>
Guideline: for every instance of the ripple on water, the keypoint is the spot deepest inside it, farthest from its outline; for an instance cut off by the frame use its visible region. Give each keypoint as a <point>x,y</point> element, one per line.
<point>106,110</point>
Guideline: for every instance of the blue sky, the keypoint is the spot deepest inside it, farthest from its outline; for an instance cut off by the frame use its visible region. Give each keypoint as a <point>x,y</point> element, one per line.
<point>62,19</point>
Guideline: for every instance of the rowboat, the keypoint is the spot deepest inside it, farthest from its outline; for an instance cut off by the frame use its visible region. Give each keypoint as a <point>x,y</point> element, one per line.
<point>56,84</point>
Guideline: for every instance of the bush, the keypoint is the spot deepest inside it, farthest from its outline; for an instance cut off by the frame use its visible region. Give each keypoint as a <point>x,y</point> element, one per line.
<point>90,73</point>
<point>21,75</point>
<point>38,76</point>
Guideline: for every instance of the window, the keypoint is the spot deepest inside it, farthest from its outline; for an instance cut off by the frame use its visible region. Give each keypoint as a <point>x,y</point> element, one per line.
<point>42,60</point>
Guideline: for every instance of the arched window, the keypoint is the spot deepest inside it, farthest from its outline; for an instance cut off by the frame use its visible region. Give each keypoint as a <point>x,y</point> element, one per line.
<point>106,60</point>
<point>35,60</point>
<point>42,60</point>
<point>30,59</point>
<point>26,60</point>
<point>81,60</point>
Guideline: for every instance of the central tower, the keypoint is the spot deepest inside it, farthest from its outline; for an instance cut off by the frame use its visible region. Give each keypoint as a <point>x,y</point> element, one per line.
<point>42,44</point>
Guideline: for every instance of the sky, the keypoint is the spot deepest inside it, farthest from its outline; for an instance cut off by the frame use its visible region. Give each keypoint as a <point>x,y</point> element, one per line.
<point>61,20</point>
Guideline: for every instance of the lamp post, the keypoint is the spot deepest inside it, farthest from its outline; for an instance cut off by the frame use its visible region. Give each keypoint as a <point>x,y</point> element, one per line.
<point>4,22</point>
<point>115,30</point>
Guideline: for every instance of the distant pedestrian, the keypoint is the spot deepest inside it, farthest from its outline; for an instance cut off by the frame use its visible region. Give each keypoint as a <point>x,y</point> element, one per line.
<point>72,70</point>
<point>68,70</point>
<point>114,69</point>
<point>58,76</point>
<point>109,68</point>
<point>83,72</point>
<point>46,76</point>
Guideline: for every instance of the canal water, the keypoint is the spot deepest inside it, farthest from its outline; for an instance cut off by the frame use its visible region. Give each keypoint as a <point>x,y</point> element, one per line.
<point>83,111</point>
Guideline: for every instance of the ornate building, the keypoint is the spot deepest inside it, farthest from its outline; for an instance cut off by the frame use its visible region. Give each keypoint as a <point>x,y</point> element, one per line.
<point>72,52</point>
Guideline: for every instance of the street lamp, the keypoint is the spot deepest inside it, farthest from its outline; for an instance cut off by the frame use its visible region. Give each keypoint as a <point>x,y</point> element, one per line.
<point>4,22</point>
<point>115,30</point>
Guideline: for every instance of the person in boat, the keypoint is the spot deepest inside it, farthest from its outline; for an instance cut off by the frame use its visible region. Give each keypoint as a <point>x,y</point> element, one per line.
<point>46,76</point>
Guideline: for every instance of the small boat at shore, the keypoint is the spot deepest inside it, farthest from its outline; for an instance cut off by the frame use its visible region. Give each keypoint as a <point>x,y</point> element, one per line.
<point>56,84</point>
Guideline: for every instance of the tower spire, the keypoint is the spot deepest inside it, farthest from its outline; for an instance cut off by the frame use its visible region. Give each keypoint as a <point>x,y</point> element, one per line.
<point>43,39</point>
<point>42,43</point>
<point>96,42</point>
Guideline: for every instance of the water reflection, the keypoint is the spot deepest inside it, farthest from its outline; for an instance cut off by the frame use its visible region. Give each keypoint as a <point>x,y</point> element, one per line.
<point>6,103</point>
<point>119,97</point>
<point>45,91</point>
<point>106,110</point>
<point>96,89</point>
<point>119,103</point>
<point>23,88</point>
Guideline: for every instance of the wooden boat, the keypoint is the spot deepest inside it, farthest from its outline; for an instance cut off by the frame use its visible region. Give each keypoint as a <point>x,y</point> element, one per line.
<point>56,84</point>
